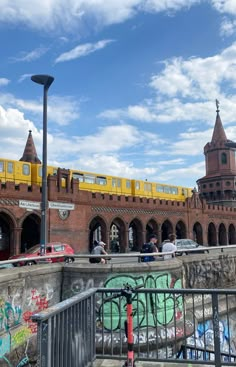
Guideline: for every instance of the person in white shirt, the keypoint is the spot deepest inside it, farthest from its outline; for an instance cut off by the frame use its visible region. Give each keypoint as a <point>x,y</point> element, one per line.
<point>170,247</point>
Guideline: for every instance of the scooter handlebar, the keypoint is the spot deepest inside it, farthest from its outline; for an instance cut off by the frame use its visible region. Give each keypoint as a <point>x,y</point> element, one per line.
<point>120,293</point>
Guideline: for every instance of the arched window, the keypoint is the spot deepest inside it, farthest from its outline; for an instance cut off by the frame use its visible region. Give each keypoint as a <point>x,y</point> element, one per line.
<point>223,158</point>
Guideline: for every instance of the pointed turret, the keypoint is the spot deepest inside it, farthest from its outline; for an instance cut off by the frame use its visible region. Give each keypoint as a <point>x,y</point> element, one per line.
<point>218,135</point>
<point>218,185</point>
<point>30,154</point>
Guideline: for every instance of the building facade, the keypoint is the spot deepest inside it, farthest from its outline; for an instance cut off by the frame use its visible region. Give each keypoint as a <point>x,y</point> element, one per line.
<point>206,217</point>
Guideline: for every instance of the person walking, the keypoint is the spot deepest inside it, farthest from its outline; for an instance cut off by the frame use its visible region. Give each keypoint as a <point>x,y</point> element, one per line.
<point>170,246</point>
<point>148,248</point>
<point>98,250</point>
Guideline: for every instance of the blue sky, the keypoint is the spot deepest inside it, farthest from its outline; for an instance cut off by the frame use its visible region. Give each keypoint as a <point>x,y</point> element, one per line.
<point>135,83</point>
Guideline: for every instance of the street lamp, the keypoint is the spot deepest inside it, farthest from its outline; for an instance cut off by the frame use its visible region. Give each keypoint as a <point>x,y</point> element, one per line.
<point>46,81</point>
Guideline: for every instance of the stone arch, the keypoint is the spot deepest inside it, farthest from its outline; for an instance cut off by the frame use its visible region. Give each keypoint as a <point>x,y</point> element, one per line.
<point>197,233</point>
<point>151,227</point>
<point>135,235</point>
<point>30,234</point>
<point>117,235</point>
<point>97,231</point>
<point>7,234</point>
<point>231,235</point>
<point>211,235</point>
<point>166,229</point>
<point>222,235</point>
<point>180,229</point>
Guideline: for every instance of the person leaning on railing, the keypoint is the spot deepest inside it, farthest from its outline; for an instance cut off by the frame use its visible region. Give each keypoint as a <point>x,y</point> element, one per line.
<point>170,246</point>
<point>98,250</point>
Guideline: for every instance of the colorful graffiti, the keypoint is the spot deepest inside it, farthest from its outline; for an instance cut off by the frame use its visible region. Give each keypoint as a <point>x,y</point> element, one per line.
<point>203,338</point>
<point>153,309</point>
<point>16,326</point>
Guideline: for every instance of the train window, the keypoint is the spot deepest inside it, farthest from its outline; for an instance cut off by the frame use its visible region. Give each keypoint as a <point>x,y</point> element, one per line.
<point>26,169</point>
<point>118,182</point>
<point>9,167</point>
<point>159,188</point>
<point>40,171</point>
<point>184,192</point>
<point>113,182</point>
<point>137,185</point>
<point>54,171</point>
<point>174,190</point>
<point>167,189</point>
<point>147,186</point>
<point>128,184</point>
<point>101,180</point>
<point>1,166</point>
<point>78,176</point>
<point>89,179</point>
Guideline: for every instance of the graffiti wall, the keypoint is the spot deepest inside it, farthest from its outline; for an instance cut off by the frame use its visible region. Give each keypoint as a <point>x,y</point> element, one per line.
<point>159,317</point>
<point>215,272</point>
<point>19,300</point>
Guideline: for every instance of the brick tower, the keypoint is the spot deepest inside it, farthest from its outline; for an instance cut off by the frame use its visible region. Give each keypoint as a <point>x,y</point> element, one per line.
<point>30,154</point>
<point>219,184</point>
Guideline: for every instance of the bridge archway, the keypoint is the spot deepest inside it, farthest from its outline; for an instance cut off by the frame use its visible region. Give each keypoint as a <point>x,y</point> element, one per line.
<point>211,235</point>
<point>197,233</point>
<point>135,235</point>
<point>166,229</point>
<point>151,227</point>
<point>180,229</point>
<point>117,235</point>
<point>6,235</point>
<point>232,235</point>
<point>97,231</point>
<point>222,235</point>
<point>30,234</point>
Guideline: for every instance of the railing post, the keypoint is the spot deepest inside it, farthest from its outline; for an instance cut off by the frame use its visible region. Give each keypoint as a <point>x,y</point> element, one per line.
<point>216,329</point>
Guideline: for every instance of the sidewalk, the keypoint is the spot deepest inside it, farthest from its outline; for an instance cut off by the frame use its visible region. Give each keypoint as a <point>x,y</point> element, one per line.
<point>112,363</point>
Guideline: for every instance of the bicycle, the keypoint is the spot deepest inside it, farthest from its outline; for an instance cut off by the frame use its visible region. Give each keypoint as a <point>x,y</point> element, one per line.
<point>128,292</point>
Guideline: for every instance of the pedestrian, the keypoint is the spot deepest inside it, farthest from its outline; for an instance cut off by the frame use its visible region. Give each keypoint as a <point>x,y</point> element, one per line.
<point>169,246</point>
<point>148,248</point>
<point>99,249</point>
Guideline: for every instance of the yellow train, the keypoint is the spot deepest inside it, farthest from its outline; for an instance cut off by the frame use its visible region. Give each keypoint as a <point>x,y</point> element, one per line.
<point>130,187</point>
<point>24,172</point>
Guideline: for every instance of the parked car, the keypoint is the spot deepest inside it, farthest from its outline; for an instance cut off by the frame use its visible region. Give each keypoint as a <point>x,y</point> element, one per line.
<point>53,248</point>
<point>185,244</point>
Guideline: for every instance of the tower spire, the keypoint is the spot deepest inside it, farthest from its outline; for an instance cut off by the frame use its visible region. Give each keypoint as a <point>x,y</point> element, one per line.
<point>30,154</point>
<point>218,135</point>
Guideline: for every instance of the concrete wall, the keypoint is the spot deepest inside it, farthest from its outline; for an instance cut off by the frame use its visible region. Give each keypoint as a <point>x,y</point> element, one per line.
<point>24,291</point>
<point>28,290</point>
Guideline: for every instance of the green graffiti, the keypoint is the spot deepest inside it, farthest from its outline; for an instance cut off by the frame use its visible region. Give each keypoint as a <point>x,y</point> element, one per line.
<point>149,309</point>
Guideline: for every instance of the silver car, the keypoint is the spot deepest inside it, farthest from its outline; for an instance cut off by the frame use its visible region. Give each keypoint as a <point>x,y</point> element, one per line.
<point>185,244</point>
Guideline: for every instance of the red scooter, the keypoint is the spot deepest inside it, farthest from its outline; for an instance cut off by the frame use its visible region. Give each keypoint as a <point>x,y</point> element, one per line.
<point>128,292</point>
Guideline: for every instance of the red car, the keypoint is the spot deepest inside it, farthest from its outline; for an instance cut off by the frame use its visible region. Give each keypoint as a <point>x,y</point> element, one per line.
<point>53,248</point>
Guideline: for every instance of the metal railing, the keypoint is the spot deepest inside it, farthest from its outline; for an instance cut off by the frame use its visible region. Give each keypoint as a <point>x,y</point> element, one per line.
<point>115,256</point>
<point>196,326</point>
<point>66,332</point>
<point>170,325</point>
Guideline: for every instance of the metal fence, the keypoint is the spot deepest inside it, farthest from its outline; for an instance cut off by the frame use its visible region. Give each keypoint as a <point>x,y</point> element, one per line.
<point>170,325</point>
<point>196,326</point>
<point>66,332</point>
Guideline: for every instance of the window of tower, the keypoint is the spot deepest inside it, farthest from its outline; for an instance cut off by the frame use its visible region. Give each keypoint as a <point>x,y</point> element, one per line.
<point>223,158</point>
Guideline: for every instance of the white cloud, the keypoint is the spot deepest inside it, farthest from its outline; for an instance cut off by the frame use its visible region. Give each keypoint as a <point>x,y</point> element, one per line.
<point>187,174</point>
<point>30,56</point>
<point>186,89</point>
<point>67,15</point>
<point>225,6</point>
<point>228,27</point>
<point>82,50</point>
<point>61,109</point>
<point>4,81</point>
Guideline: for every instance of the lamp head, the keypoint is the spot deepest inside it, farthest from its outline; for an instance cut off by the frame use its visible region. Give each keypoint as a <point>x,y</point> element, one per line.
<point>45,80</point>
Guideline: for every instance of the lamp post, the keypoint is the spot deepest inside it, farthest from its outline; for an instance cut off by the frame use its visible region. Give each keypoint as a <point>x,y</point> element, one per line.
<point>46,81</point>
